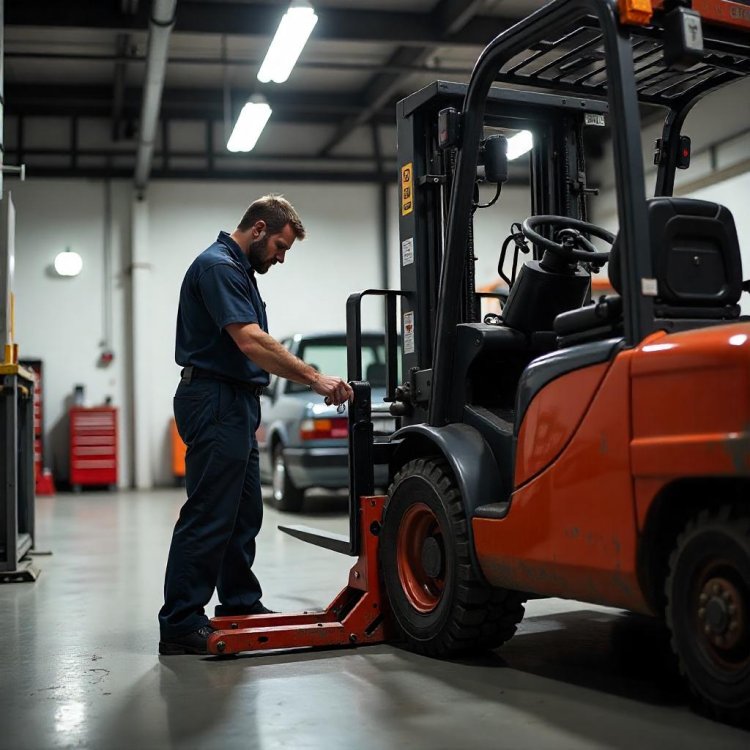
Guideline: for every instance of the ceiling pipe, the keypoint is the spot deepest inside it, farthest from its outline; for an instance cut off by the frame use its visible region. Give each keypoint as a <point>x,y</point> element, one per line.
<point>159,29</point>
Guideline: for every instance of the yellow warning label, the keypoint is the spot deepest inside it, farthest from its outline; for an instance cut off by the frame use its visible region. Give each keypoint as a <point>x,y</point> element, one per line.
<point>407,189</point>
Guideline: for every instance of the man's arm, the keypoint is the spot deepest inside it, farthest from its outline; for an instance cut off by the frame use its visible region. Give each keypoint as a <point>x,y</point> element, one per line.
<point>265,351</point>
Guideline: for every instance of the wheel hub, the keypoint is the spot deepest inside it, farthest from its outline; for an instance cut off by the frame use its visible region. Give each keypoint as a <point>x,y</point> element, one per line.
<point>721,613</point>
<point>432,557</point>
<point>421,558</point>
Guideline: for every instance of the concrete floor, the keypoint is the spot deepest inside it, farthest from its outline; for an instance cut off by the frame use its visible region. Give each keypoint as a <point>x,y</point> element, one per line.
<point>80,668</point>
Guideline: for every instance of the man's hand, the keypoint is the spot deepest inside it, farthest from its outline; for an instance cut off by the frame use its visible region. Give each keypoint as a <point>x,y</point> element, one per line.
<point>265,351</point>
<point>334,389</point>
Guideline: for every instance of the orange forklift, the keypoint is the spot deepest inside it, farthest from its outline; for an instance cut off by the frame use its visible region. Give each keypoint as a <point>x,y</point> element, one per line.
<point>596,450</point>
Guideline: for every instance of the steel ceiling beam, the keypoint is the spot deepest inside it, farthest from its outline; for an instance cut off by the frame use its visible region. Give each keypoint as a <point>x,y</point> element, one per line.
<point>201,154</point>
<point>437,70</point>
<point>265,174</point>
<point>260,19</point>
<point>381,88</point>
<point>48,100</point>
<point>453,15</point>
<point>225,175</point>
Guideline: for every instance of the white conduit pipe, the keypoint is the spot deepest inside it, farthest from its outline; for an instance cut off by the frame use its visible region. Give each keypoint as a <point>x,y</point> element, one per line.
<point>159,30</point>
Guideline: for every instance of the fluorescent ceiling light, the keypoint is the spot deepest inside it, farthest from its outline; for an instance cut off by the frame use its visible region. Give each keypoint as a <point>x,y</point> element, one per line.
<point>68,263</point>
<point>519,144</point>
<point>249,125</point>
<point>291,36</point>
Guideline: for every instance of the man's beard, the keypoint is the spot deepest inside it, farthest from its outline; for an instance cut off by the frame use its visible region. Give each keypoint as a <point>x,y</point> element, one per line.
<point>256,254</point>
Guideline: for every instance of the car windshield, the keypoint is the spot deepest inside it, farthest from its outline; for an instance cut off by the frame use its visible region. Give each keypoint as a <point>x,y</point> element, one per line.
<point>329,357</point>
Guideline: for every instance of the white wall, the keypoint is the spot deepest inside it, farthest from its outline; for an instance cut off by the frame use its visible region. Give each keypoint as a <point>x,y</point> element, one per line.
<point>61,321</point>
<point>719,128</point>
<point>734,193</point>
<point>718,122</point>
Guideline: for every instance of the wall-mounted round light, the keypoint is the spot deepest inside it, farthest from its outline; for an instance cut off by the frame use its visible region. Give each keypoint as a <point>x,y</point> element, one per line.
<point>68,263</point>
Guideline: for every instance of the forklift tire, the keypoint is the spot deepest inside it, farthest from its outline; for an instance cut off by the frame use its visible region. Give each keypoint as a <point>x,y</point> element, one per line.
<point>284,496</point>
<point>441,603</point>
<point>708,611</point>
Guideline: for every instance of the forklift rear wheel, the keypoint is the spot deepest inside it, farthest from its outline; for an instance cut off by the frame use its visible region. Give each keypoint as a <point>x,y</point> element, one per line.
<point>441,604</point>
<point>708,611</point>
<point>285,496</point>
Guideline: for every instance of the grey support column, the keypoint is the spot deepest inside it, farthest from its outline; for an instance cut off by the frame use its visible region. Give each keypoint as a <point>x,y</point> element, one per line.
<point>140,286</point>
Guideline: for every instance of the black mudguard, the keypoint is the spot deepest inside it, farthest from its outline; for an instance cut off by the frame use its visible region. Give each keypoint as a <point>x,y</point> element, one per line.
<point>469,456</point>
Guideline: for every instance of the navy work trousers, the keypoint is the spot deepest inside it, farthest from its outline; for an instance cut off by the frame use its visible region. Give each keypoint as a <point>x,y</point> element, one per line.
<point>213,544</point>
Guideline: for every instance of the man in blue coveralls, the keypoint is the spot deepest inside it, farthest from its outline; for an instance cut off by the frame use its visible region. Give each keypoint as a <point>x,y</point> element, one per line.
<point>227,355</point>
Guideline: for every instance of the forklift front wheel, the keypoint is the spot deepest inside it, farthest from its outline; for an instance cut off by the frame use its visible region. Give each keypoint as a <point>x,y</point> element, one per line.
<point>441,603</point>
<point>708,611</point>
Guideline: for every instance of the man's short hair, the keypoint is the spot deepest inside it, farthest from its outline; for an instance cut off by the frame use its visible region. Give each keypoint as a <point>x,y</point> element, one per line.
<point>277,212</point>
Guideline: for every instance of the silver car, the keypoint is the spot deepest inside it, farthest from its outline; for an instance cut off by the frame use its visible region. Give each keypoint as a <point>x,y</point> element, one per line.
<point>304,443</point>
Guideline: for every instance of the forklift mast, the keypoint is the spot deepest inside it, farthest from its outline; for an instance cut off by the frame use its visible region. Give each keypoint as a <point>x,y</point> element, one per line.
<point>556,182</point>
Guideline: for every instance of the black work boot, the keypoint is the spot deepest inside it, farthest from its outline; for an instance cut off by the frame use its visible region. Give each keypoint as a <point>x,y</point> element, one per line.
<point>223,610</point>
<point>190,643</point>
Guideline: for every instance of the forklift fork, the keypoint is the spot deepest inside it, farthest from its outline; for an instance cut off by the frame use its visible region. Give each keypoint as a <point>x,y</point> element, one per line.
<point>358,615</point>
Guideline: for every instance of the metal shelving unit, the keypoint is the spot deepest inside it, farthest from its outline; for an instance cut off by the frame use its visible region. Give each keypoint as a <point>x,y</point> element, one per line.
<point>16,474</point>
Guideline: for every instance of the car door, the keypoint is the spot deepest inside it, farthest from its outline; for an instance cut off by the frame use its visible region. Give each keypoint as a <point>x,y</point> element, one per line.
<point>268,400</point>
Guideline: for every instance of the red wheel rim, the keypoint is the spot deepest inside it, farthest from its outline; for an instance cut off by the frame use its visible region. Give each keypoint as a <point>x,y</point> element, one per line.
<point>422,590</point>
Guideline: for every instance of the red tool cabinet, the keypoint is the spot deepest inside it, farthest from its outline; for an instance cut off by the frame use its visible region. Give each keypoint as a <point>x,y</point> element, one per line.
<point>93,446</point>
<point>35,365</point>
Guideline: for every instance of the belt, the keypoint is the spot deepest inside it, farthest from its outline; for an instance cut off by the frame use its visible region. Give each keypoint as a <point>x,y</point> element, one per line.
<point>191,373</point>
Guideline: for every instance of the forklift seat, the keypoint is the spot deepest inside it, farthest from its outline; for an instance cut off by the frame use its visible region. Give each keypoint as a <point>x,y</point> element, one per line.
<point>696,262</point>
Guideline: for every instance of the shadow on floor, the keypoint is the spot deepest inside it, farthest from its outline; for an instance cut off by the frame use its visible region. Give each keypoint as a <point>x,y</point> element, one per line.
<point>572,668</point>
<point>318,503</point>
<point>625,654</point>
<point>184,699</point>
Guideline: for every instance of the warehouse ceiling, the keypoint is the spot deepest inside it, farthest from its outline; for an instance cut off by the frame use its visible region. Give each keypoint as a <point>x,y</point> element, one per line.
<point>74,75</point>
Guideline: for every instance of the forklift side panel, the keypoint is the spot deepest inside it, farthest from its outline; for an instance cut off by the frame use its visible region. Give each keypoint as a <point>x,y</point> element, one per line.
<point>685,422</point>
<point>571,531</point>
<point>552,418</point>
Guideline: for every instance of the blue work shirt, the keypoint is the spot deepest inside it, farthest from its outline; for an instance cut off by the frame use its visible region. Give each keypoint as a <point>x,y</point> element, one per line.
<point>219,288</point>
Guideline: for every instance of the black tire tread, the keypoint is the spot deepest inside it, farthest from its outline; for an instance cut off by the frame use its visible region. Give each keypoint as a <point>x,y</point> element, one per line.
<point>482,617</point>
<point>741,518</point>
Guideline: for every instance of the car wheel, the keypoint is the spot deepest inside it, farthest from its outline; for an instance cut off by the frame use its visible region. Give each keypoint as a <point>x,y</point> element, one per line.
<point>708,611</point>
<point>441,604</point>
<point>285,495</point>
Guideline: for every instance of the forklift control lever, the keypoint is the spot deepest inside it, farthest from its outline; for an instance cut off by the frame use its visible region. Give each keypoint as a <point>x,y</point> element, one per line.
<point>516,236</point>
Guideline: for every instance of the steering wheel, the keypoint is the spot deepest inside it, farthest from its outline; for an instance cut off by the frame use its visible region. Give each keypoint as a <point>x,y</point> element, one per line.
<point>571,244</point>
